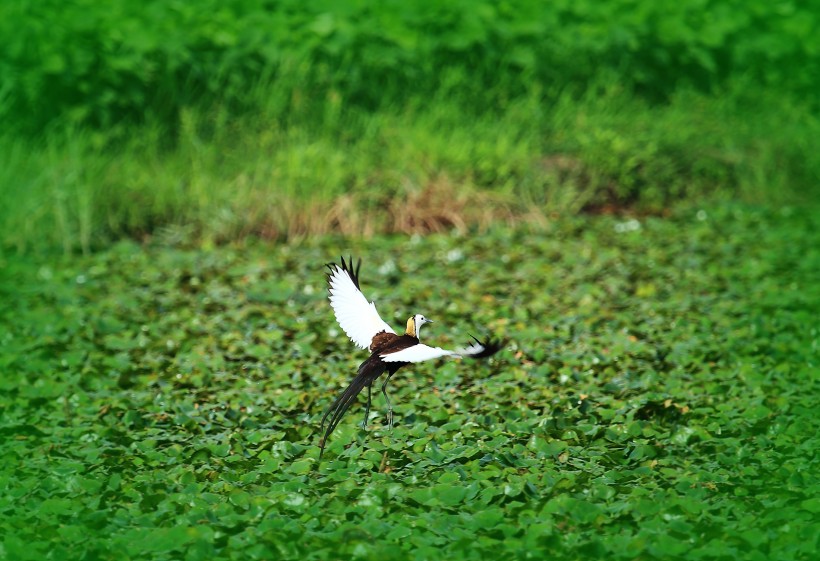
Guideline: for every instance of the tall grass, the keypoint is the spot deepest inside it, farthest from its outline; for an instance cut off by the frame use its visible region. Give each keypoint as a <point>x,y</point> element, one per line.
<point>430,164</point>
<point>216,119</point>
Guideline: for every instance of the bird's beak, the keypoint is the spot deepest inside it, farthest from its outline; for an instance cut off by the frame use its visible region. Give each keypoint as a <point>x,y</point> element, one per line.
<point>430,321</point>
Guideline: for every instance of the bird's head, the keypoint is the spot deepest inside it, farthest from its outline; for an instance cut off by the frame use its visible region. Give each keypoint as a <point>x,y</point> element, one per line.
<point>414,325</point>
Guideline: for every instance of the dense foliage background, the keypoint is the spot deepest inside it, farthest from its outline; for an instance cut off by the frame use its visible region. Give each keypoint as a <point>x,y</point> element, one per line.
<point>101,62</point>
<point>285,118</point>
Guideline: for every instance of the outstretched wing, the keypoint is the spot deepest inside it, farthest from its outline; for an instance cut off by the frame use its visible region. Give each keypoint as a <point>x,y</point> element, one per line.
<point>356,316</point>
<point>420,353</point>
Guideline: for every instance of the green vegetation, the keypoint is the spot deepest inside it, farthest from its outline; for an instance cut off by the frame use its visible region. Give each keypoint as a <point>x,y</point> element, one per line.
<point>416,171</point>
<point>102,62</point>
<point>658,399</point>
<point>213,120</point>
<point>628,191</point>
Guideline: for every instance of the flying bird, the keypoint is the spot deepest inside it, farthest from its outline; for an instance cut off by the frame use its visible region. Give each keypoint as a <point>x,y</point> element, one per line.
<point>388,351</point>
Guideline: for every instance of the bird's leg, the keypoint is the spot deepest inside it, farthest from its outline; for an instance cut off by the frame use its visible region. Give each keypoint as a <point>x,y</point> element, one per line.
<point>367,407</point>
<point>387,399</point>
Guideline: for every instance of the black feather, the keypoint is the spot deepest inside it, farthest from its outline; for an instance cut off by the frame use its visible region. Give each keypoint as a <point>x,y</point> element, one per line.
<point>491,346</point>
<point>349,268</point>
<point>368,372</point>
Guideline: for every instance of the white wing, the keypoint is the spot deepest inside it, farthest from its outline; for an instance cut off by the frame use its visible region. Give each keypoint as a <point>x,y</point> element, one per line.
<point>420,353</point>
<point>355,314</point>
<point>417,353</point>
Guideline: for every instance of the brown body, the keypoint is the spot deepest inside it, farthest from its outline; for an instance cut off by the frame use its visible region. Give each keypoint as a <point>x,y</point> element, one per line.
<point>385,343</point>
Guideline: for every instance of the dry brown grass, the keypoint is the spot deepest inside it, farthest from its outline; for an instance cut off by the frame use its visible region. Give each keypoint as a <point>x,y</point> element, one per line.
<point>443,206</point>
<point>439,206</point>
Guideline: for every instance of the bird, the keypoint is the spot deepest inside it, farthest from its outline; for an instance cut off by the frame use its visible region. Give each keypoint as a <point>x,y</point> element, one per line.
<point>388,350</point>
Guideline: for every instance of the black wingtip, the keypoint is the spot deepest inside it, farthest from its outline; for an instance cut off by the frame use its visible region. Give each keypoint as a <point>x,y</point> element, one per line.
<point>352,269</point>
<point>491,346</point>
<point>348,267</point>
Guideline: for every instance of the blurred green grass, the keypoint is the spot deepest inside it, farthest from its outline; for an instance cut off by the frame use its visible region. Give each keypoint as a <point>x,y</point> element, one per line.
<point>212,121</point>
<point>100,63</point>
<point>432,168</point>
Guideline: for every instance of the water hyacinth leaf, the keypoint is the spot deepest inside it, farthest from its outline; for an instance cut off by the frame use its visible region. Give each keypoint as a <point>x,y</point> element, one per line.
<point>164,411</point>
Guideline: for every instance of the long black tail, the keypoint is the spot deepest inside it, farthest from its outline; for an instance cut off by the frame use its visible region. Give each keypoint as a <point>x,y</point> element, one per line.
<point>368,372</point>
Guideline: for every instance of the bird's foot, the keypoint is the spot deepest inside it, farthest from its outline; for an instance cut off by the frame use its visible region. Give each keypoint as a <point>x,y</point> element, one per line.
<point>390,419</point>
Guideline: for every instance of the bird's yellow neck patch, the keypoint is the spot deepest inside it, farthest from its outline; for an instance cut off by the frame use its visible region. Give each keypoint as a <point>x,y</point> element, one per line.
<point>411,327</point>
